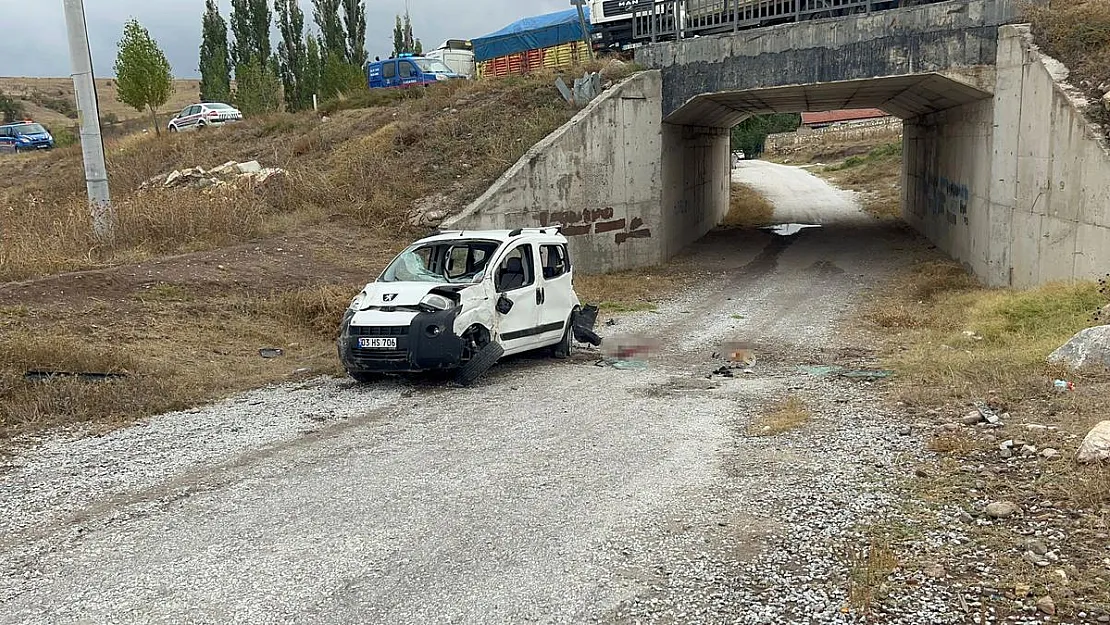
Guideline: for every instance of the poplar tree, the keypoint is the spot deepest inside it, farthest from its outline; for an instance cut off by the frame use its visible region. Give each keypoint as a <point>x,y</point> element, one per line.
<point>215,57</point>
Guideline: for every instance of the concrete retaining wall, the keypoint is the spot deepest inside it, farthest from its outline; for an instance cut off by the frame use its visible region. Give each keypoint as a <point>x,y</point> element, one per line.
<point>697,166</point>
<point>1016,187</point>
<point>888,129</point>
<point>599,177</point>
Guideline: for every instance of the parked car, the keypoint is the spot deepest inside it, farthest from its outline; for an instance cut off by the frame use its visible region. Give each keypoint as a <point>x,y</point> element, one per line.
<point>200,116</point>
<point>407,71</point>
<point>461,301</point>
<point>24,136</point>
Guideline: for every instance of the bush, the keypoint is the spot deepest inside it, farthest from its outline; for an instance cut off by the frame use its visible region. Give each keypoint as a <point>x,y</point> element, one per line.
<point>64,137</point>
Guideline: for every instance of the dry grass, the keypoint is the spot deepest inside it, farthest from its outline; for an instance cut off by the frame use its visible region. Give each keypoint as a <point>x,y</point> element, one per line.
<point>748,208</point>
<point>780,417</point>
<point>952,443</point>
<point>953,343</point>
<point>628,291</point>
<point>1011,332</point>
<point>1077,33</point>
<point>869,568</point>
<point>178,347</point>
<point>877,175</point>
<point>453,140</point>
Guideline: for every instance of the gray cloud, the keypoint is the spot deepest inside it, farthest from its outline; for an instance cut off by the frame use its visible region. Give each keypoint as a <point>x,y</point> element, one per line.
<point>37,46</point>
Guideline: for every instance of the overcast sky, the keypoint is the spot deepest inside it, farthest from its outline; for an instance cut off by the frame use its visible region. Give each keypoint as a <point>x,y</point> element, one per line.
<point>33,43</point>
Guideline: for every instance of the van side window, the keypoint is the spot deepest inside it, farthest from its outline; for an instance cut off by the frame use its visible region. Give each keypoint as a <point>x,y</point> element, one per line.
<point>553,259</point>
<point>389,69</point>
<point>516,271</point>
<point>408,70</point>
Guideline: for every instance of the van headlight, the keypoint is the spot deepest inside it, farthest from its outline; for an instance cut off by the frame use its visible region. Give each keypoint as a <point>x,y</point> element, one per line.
<point>358,301</point>
<point>436,301</point>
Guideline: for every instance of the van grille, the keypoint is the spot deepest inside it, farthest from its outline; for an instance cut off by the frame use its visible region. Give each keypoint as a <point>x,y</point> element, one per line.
<point>379,330</point>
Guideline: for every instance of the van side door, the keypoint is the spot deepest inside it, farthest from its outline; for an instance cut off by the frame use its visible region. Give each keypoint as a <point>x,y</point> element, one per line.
<point>556,292</point>
<point>409,73</point>
<point>389,73</point>
<point>514,279</point>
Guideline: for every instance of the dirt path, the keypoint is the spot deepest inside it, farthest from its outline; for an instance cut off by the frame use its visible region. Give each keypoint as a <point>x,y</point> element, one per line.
<point>551,492</point>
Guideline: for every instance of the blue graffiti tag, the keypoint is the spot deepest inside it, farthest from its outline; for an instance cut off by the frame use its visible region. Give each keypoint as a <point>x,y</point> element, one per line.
<point>947,199</point>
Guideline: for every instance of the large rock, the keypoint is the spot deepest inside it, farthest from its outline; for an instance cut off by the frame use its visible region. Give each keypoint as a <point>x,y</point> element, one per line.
<point>1091,347</point>
<point>1096,447</point>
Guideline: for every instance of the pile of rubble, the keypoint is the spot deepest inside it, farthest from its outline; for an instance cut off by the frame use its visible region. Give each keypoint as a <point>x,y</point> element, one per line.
<point>231,174</point>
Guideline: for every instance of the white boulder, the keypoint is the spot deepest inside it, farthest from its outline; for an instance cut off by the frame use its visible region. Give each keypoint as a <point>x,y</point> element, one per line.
<point>1096,447</point>
<point>1091,347</point>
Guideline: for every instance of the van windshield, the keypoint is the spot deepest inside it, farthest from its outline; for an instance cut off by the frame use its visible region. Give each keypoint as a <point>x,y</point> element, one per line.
<point>443,262</point>
<point>432,66</point>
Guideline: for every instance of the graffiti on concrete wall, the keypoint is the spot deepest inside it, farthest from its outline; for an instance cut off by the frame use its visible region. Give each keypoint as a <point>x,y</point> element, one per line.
<point>595,221</point>
<point>947,199</point>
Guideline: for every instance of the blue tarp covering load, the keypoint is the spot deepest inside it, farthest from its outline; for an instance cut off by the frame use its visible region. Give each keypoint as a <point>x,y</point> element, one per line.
<point>531,33</point>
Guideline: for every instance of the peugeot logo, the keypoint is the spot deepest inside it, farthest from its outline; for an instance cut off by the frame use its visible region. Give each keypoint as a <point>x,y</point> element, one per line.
<point>389,297</point>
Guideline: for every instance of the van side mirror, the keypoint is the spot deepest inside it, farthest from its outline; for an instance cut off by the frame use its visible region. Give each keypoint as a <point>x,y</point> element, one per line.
<point>504,304</point>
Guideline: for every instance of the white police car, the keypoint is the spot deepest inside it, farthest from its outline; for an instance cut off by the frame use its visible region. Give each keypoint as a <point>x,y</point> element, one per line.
<point>461,301</point>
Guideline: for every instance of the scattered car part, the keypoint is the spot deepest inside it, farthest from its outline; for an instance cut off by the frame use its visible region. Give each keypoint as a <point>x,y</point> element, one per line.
<point>44,376</point>
<point>271,352</point>
<point>479,364</point>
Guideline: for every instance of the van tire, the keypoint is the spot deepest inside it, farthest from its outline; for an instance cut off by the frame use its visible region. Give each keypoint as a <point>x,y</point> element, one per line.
<point>561,350</point>
<point>481,362</point>
<point>364,378</point>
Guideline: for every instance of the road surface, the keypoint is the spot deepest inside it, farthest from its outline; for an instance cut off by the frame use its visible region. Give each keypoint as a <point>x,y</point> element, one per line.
<point>551,492</point>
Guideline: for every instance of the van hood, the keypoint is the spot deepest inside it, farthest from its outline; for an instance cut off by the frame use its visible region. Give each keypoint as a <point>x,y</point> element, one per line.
<point>390,294</point>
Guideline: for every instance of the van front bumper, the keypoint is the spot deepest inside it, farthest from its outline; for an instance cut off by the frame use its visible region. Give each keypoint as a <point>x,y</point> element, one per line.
<point>428,343</point>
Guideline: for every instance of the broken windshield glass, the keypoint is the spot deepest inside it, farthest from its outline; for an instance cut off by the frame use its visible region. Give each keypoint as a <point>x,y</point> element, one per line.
<point>444,262</point>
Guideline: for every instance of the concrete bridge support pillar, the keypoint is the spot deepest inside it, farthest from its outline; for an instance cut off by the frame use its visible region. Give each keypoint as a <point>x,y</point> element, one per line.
<point>697,169</point>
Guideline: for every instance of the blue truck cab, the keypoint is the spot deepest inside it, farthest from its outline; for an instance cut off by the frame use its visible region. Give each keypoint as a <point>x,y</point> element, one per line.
<point>407,71</point>
<point>25,136</point>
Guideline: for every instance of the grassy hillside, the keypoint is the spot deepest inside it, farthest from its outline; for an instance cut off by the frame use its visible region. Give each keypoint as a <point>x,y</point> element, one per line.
<point>51,101</point>
<point>366,165</point>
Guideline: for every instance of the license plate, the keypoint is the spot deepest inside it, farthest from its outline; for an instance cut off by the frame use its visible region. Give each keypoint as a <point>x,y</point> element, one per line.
<point>377,343</point>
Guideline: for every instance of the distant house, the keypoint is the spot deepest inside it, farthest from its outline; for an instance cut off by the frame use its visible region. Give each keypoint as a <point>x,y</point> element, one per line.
<point>813,121</point>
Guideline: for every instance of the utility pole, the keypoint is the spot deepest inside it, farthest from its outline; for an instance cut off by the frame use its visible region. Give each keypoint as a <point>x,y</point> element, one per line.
<point>88,115</point>
<point>585,27</point>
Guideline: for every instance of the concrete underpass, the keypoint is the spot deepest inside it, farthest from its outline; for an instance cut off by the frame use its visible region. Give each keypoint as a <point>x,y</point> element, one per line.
<point>1002,171</point>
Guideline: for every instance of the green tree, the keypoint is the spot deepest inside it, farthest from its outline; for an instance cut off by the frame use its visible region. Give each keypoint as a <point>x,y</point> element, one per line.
<point>314,66</point>
<point>250,24</point>
<point>398,37</point>
<point>403,41</point>
<point>338,76</point>
<point>354,20</point>
<point>143,75</point>
<point>333,39</point>
<point>418,48</point>
<point>750,135</point>
<point>292,55</point>
<point>215,57</point>
<point>10,108</point>
<point>258,88</point>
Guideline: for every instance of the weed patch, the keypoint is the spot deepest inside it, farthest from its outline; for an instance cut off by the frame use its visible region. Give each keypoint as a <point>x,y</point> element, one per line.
<point>748,208</point>
<point>783,416</point>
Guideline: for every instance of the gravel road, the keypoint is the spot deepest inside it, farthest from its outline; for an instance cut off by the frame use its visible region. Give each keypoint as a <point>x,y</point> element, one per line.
<point>551,492</point>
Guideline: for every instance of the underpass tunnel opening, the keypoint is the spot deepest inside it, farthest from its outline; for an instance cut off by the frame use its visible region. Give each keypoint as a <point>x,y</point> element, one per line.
<point>932,108</point>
